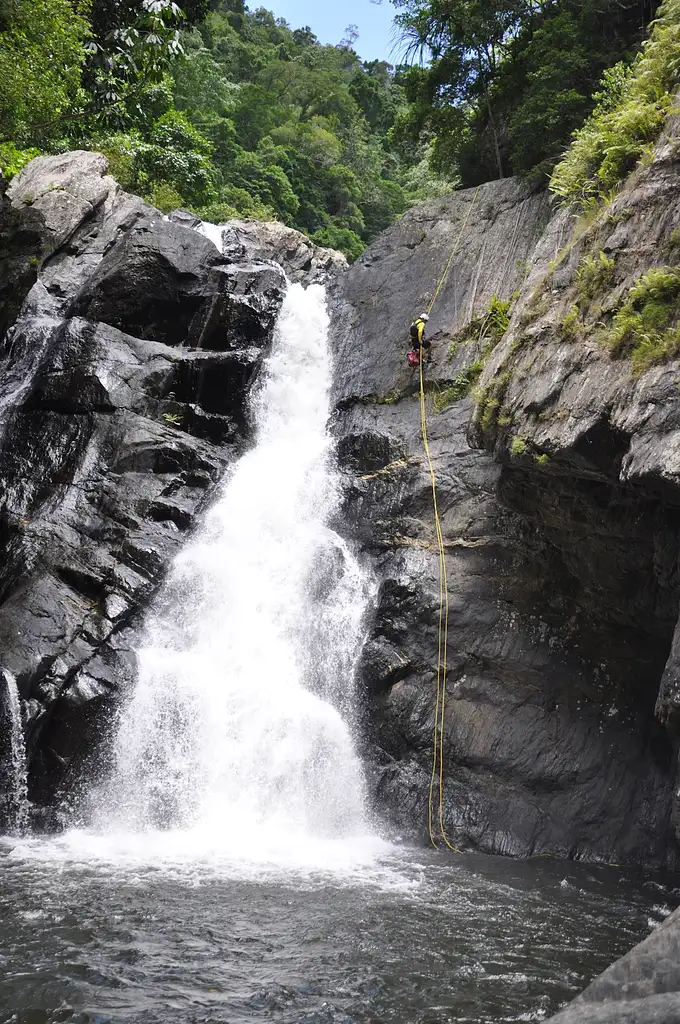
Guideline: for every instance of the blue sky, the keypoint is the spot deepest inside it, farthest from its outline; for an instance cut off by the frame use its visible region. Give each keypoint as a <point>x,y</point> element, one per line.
<point>328,20</point>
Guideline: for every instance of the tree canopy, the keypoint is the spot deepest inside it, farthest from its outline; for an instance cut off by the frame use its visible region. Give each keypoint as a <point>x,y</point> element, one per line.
<point>509,80</point>
<point>218,108</point>
<point>228,111</point>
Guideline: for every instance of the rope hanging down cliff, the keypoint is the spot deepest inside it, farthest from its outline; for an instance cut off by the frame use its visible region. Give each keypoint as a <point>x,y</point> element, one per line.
<point>442,650</point>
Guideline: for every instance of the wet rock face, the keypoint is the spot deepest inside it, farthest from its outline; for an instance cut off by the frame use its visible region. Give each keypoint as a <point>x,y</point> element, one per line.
<point>599,434</point>
<point>302,260</point>
<point>21,246</point>
<point>642,987</point>
<point>563,586</point>
<point>124,388</point>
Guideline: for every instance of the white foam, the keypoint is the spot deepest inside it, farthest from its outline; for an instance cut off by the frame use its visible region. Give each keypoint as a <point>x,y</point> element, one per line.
<point>17,762</point>
<point>212,231</point>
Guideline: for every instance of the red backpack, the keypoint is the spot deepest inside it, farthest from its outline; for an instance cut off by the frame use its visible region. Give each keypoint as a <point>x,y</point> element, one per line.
<point>413,359</point>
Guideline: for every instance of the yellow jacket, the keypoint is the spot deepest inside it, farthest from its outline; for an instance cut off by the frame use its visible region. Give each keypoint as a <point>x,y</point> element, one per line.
<point>420,327</point>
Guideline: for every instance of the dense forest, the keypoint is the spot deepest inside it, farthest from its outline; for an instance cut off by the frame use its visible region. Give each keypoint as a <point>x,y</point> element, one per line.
<point>229,111</point>
<point>224,111</point>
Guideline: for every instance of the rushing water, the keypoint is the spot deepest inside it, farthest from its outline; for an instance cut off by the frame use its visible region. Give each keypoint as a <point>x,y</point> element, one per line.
<point>17,797</point>
<point>230,742</point>
<point>228,870</point>
<point>409,938</point>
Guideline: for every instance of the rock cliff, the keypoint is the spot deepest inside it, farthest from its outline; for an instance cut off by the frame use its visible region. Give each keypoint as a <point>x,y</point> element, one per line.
<point>124,387</point>
<point>128,347</point>
<point>124,395</point>
<point>560,525</point>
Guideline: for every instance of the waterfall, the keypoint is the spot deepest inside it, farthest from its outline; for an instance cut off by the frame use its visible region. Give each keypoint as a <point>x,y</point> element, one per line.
<point>16,777</point>
<point>240,724</point>
<point>214,232</point>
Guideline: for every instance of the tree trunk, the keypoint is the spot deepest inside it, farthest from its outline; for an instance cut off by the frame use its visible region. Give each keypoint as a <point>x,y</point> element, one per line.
<point>492,122</point>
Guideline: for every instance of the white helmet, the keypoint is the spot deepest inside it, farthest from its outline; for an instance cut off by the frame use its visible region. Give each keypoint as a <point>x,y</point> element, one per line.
<point>424,316</point>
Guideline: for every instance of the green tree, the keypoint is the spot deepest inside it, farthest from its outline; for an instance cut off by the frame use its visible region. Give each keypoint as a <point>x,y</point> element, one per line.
<point>42,52</point>
<point>507,81</point>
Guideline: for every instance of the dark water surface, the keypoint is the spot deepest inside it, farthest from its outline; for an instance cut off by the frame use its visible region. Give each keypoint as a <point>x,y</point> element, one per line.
<point>418,938</point>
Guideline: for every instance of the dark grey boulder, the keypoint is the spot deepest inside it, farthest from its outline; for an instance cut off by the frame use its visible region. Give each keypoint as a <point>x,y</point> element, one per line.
<point>22,233</point>
<point>185,218</point>
<point>168,283</point>
<point>302,260</point>
<point>66,190</point>
<point>642,987</point>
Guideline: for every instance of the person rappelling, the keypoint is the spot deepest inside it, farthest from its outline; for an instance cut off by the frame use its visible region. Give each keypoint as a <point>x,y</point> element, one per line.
<point>419,343</point>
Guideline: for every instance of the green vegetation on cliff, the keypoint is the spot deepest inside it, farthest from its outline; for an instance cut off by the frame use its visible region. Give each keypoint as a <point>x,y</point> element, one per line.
<point>631,107</point>
<point>646,326</point>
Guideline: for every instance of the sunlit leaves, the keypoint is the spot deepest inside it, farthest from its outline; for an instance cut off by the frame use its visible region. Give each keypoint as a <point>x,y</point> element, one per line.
<point>41,54</point>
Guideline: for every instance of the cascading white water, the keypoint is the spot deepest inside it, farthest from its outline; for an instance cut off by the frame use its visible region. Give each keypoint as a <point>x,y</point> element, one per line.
<point>234,736</point>
<point>17,773</point>
<point>214,232</point>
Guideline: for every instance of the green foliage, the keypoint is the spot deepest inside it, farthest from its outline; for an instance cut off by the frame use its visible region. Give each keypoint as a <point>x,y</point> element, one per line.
<point>542,460</point>
<point>42,51</point>
<point>631,108</point>
<point>646,326</point>
<point>178,155</point>
<point>13,159</point>
<point>299,129</point>
<point>673,244</point>
<point>164,197</point>
<point>570,323</point>
<point>508,82</point>
<point>489,401</point>
<point>236,116</point>
<point>496,319</point>
<point>593,277</point>
<point>174,159</point>
<point>121,152</point>
<point>460,386</point>
<point>487,329</point>
<point>343,239</point>
<point>518,446</point>
<point>135,57</point>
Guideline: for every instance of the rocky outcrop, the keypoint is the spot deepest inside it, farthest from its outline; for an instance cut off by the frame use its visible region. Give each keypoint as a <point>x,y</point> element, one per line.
<point>563,581</point>
<point>124,389</point>
<point>21,246</point>
<point>584,421</point>
<point>642,987</point>
<point>303,261</point>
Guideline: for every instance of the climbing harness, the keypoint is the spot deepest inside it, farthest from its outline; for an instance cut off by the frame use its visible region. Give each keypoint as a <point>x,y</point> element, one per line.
<point>443,640</point>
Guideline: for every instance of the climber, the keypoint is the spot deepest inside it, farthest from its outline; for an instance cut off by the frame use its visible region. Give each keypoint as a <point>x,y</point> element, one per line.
<point>418,340</point>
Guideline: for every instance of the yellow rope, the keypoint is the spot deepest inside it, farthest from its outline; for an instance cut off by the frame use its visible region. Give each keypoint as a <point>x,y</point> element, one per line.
<point>443,638</point>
